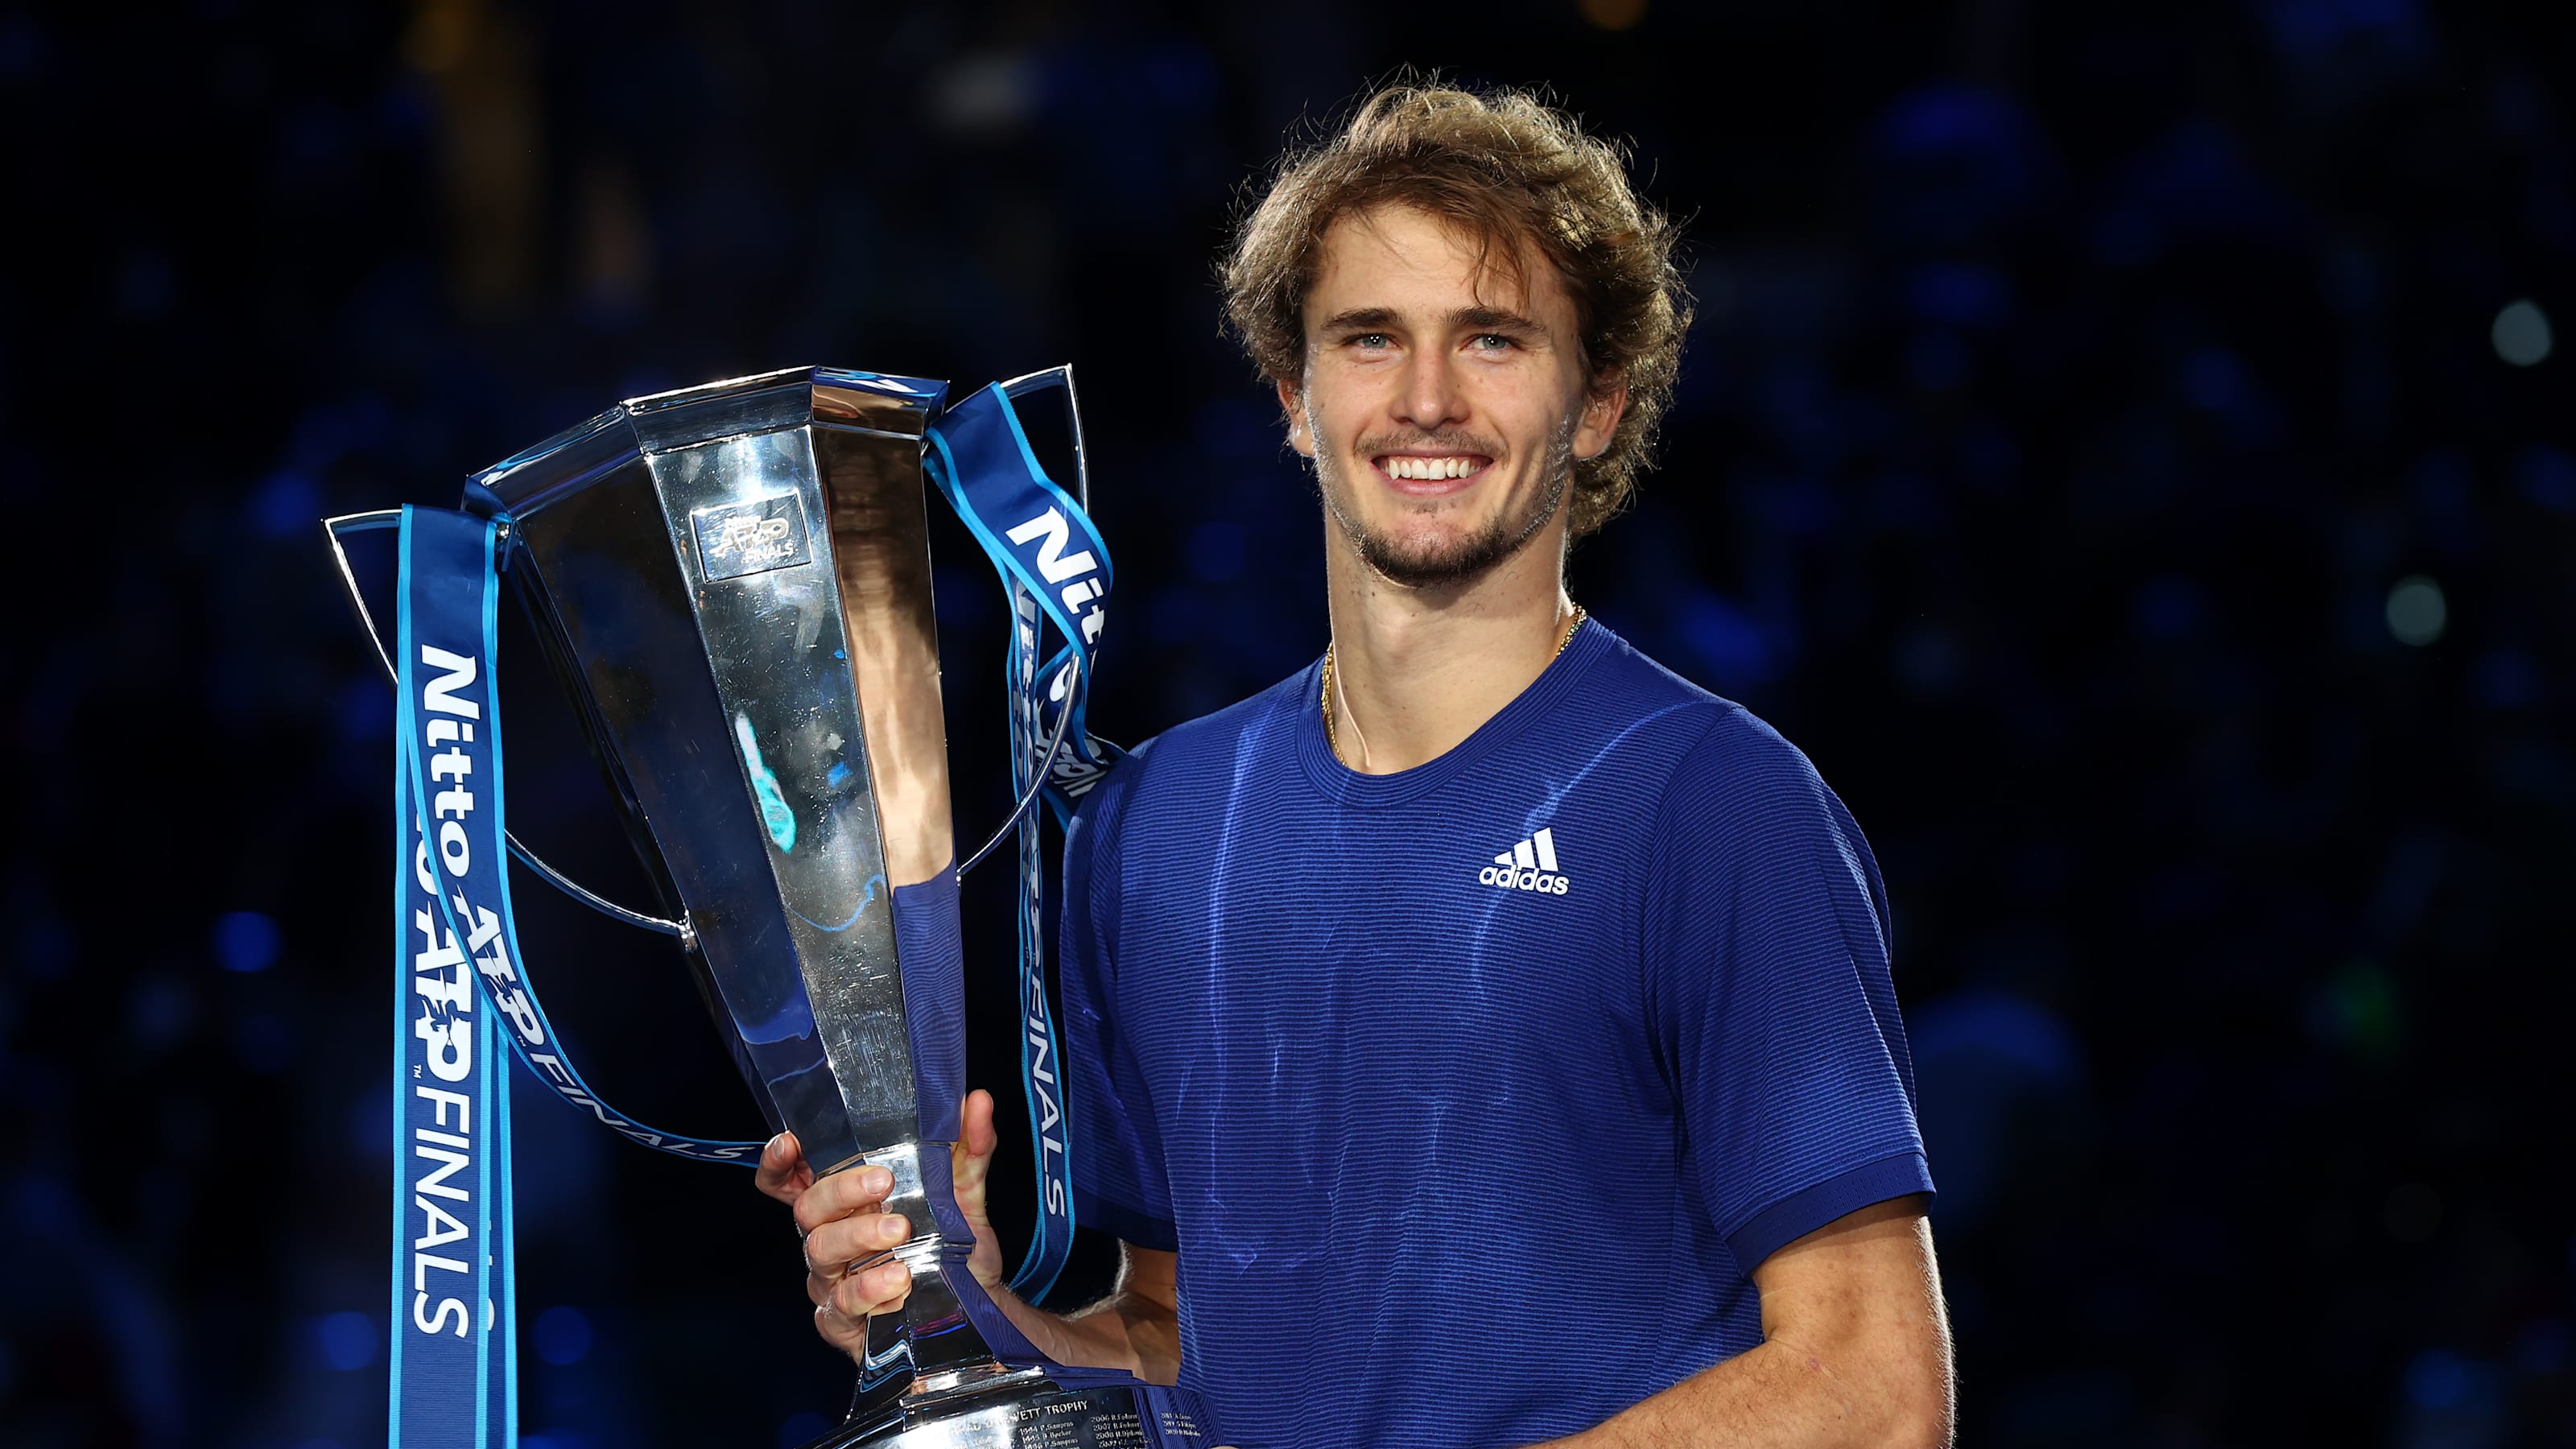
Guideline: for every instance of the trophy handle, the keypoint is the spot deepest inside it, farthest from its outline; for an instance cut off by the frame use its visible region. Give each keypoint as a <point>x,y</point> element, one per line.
<point>1037,787</point>
<point>333,529</point>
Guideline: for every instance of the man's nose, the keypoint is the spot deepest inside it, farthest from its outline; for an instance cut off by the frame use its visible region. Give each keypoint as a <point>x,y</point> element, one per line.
<point>1431,398</point>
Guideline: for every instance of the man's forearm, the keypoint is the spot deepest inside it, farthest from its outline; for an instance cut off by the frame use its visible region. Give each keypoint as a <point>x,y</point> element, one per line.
<point>1126,1330</point>
<point>1775,1396</point>
<point>1855,1351</point>
<point>1778,1395</point>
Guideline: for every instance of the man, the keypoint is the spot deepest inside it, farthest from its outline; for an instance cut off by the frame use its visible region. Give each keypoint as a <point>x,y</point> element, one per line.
<point>1484,1036</point>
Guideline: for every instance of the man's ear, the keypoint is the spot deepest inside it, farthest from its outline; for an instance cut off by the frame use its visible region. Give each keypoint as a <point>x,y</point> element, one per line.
<point>1292,407</point>
<point>1601,413</point>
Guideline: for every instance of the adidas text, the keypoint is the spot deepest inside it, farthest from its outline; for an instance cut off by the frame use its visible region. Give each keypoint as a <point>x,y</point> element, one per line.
<point>1528,866</point>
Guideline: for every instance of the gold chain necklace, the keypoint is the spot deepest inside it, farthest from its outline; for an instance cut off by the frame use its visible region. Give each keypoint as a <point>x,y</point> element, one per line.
<point>1332,736</point>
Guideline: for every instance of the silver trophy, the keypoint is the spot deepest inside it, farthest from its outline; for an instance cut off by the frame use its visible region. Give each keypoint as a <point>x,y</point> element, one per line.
<point>733,583</point>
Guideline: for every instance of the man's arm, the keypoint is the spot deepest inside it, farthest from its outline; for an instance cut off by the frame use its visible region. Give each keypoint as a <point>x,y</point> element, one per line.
<point>847,1233</point>
<point>1136,1328</point>
<point>1855,1351</point>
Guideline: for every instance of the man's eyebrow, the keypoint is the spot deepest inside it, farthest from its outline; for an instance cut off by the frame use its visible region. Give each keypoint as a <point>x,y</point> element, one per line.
<point>1471,319</point>
<point>1355,319</point>
<point>1494,319</point>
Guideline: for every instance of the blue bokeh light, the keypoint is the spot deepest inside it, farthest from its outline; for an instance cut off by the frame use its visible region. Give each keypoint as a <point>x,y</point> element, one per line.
<point>347,1339</point>
<point>802,1428</point>
<point>1729,641</point>
<point>2437,1379</point>
<point>2215,380</point>
<point>2542,1347</point>
<point>45,948</point>
<point>1216,550</point>
<point>246,941</point>
<point>1936,361</point>
<point>285,505</point>
<point>2547,476</point>
<point>2507,679</point>
<point>365,708</point>
<point>263,1042</point>
<point>561,1335</point>
<point>1959,296</point>
<point>2169,607</point>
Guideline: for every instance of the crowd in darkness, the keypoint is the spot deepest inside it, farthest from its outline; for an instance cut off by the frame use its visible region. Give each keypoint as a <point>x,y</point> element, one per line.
<point>2125,446</point>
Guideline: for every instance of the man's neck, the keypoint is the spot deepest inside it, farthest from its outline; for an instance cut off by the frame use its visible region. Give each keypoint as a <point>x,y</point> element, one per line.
<point>1416,671</point>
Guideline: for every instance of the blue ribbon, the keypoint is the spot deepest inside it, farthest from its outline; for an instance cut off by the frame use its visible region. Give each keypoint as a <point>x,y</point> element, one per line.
<point>457,945</point>
<point>452,1270</point>
<point>1057,570</point>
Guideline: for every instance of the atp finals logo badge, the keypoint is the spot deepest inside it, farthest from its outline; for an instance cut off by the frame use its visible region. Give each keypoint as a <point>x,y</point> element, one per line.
<point>1528,866</point>
<point>751,538</point>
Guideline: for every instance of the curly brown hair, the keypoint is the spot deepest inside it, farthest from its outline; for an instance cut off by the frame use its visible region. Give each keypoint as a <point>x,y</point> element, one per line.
<point>1518,175</point>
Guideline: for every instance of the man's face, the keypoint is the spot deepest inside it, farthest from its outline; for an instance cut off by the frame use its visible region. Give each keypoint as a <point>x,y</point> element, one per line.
<point>1444,403</point>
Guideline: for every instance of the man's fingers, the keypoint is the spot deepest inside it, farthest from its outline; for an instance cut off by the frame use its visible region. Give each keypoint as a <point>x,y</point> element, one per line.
<point>891,1284</point>
<point>858,1190</point>
<point>782,1172</point>
<point>839,1218</point>
<point>972,1157</point>
<point>850,1337</point>
<point>834,1246</point>
<point>969,1163</point>
<point>843,1303</point>
<point>871,1290</point>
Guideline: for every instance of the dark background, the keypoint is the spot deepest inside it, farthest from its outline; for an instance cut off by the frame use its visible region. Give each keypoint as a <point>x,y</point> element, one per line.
<point>2118,445</point>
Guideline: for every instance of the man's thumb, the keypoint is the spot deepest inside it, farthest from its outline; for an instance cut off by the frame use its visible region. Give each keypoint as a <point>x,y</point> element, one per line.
<point>976,1121</point>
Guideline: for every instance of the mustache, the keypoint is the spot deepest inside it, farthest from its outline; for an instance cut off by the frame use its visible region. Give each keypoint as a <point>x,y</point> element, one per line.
<point>1443,441</point>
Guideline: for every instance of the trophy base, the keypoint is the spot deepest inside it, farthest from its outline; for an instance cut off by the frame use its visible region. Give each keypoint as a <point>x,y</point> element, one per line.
<point>1114,1416</point>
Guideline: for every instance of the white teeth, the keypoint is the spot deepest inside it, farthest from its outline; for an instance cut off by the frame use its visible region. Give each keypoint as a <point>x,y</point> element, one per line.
<point>1402,466</point>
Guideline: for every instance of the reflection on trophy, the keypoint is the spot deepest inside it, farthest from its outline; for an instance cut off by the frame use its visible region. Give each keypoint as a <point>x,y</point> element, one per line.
<point>733,582</point>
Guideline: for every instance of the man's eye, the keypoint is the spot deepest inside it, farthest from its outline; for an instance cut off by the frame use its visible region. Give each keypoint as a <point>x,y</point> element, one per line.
<point>1492,342</point>
<point>1372,340</point>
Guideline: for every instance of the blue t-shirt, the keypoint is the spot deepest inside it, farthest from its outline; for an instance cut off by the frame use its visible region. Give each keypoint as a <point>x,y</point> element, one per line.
<point>1470,1096</point>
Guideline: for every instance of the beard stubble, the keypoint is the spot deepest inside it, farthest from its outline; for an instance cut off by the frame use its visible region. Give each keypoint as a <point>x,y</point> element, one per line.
<point>1419,566</point>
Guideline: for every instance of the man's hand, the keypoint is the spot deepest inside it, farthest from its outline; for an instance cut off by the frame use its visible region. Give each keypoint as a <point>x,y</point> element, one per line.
<point>845,1226</point>
<point>843,1221</point>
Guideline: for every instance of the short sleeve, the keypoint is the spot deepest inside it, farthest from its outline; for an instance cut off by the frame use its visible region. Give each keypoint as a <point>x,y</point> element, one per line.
<point>1767,962</point>
<point>1119,1184</point>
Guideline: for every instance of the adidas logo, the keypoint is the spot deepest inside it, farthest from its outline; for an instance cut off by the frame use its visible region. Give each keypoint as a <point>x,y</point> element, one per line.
<point>1528,866</point>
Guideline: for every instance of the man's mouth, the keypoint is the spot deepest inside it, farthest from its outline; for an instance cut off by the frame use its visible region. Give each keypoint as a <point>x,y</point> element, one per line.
<point>1431,468</point>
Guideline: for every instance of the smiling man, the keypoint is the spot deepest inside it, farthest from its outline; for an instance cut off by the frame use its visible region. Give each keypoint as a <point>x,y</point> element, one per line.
<point>1483,1037</point>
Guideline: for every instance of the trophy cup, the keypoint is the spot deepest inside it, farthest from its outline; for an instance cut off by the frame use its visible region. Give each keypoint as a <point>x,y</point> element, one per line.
<point>733,584</point>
